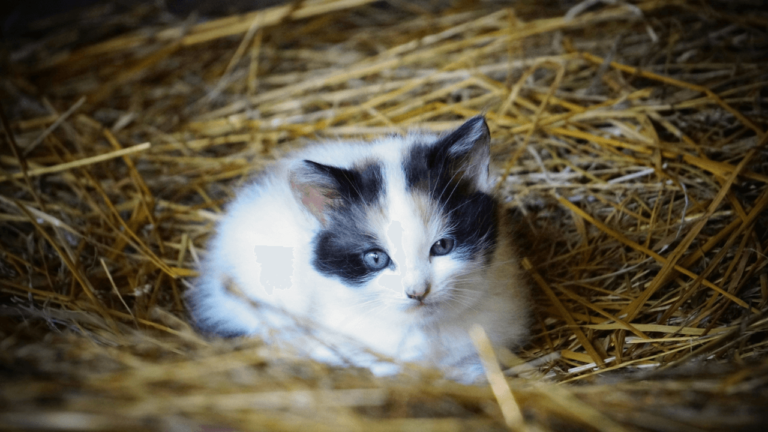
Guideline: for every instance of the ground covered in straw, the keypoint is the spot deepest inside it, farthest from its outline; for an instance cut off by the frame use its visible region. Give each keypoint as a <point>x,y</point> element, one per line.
<point>629,137</point>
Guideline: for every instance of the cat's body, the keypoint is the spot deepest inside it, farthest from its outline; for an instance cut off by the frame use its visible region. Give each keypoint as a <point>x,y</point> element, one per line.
<point>396,243</point>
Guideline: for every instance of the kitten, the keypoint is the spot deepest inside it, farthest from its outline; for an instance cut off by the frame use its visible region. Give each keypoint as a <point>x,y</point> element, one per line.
<point>398,244</point>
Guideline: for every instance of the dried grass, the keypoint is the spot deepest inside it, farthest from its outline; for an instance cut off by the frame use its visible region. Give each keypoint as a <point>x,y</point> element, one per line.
<point>629,137</point>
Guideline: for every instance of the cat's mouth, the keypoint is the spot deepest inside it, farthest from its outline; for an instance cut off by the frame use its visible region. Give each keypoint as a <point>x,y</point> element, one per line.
<point>422,309</point>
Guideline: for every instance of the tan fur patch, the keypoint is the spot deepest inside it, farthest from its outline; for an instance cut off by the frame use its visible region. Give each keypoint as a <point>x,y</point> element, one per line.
<point>425,206</point>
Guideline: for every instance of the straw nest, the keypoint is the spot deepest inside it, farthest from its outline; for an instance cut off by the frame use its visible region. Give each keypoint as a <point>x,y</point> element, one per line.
<point>629,137</point>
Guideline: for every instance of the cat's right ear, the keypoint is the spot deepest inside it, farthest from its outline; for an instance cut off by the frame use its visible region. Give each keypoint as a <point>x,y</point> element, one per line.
<point>315,186</point>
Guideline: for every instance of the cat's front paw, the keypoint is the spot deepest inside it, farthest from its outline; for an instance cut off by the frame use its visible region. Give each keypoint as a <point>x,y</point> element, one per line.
<point>472,373</point>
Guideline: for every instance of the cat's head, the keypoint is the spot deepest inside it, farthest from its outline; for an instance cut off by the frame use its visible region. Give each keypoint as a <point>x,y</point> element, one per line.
<point>409,229</point>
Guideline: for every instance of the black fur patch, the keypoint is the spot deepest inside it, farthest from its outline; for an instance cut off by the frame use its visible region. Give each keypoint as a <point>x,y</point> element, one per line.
<point>354,186</point>
<point>339,248</point>
<point>472,214</point>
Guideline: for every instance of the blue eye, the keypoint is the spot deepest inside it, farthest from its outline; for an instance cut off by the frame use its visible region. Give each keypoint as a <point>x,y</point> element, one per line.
<point>442,247</point>
<point>376,259</point>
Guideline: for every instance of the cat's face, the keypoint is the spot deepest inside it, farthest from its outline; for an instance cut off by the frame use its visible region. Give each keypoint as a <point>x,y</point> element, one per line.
<point>411,233</point>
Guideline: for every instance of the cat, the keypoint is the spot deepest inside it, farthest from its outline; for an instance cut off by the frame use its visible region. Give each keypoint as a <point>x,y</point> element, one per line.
<point>398,244</point>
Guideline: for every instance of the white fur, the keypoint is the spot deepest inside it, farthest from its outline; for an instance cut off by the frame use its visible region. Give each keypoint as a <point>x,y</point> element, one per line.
<point>379,314</point>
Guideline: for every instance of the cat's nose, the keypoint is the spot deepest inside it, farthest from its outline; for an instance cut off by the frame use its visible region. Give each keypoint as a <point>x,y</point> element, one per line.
<point>418,293</point>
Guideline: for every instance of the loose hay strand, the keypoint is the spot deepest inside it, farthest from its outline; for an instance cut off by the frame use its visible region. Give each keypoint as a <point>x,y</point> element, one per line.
<point>499,385</point>
<point>80,163</point>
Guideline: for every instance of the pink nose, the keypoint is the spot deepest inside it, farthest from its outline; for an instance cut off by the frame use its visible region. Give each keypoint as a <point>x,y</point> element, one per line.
<point>418,294</point>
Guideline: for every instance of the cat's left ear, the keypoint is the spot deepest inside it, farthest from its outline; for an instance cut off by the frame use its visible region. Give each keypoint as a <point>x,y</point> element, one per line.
<point>468,150</point>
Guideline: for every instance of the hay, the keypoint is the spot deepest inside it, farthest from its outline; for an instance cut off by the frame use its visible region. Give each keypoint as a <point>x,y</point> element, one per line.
<point>630,138</point>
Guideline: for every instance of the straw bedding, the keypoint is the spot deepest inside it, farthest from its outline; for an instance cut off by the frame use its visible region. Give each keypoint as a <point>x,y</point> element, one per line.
<point>628,137</point>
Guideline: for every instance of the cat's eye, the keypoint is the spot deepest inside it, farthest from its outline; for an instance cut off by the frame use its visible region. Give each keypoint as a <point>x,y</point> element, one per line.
<point>376,259</point>
<point>442,247</point>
